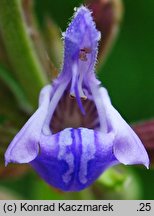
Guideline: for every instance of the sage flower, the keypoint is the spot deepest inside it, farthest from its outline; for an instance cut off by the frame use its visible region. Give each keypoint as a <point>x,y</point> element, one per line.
<point>76,133</point>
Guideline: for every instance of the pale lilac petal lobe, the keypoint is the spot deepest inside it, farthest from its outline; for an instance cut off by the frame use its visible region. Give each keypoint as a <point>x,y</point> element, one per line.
<point>127,146</point>
<point>130,150</point>
<point>45,94</point>
<point>25,145</point>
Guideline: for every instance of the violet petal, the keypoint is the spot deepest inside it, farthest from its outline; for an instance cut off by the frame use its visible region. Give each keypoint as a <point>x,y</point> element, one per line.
<point>25,146</point>
<point>127,146</point>
<point>74,158</point>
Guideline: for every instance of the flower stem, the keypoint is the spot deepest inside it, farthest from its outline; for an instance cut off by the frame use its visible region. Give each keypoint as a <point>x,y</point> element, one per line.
<point>20,49</point>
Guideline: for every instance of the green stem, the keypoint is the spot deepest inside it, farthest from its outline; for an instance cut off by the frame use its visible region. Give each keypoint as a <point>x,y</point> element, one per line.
<point>6,77</point>
<point>20,49</point>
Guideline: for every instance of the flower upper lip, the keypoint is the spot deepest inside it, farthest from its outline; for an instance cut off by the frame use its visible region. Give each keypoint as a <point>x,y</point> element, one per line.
<point>79,60</point>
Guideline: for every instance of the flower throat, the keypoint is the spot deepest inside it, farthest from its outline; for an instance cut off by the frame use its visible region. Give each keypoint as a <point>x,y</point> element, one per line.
<point>68,114</point>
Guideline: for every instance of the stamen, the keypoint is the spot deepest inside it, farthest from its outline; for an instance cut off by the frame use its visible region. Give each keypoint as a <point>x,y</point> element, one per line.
<point>84,98</point>
<point>72,96</point>
<point>81,93</point>
<point>76,90</point>
<point>52,107</point>
<point>74,79</point>
<point>79,100</point>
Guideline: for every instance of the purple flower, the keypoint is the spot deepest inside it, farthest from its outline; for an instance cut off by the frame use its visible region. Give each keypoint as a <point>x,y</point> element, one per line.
<point>76,133</point>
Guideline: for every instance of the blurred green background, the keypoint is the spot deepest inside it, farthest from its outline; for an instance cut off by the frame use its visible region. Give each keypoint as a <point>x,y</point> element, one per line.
<point>128,74</point>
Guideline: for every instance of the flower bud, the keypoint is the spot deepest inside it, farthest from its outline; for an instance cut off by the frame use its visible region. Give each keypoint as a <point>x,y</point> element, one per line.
<point>145,130</point>
<point>107,15</point>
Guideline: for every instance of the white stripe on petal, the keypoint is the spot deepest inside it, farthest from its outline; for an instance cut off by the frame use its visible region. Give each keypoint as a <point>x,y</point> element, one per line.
<point>88,152</point>
<point>65,141</point>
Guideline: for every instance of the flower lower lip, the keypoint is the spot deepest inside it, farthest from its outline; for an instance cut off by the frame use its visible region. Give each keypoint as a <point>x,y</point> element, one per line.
<point>79,155</point>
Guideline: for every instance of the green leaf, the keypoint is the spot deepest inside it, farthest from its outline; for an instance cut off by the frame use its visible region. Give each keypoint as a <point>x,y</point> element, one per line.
<point>6,77</point>
<point>20,49</point>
